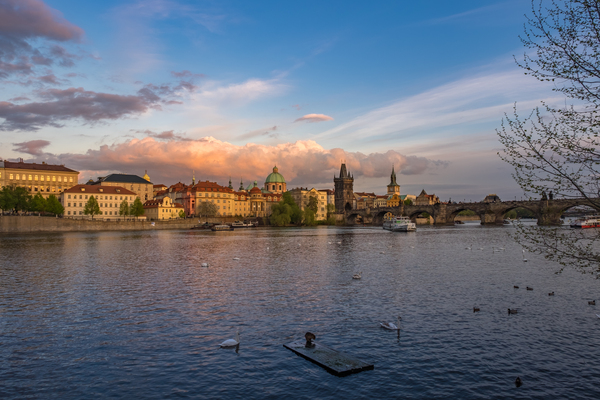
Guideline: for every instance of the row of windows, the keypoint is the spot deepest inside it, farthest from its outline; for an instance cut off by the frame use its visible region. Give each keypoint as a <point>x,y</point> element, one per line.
<point>33,177</point>
<point>105,197</point>
<point>100,204</point>
<point>81,213</point>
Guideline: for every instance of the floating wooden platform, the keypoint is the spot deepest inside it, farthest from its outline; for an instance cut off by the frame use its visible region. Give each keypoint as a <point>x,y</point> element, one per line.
<point>334,362</point>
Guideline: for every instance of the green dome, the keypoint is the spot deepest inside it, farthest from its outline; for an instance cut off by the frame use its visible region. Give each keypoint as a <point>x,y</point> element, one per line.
<point>275,177</point>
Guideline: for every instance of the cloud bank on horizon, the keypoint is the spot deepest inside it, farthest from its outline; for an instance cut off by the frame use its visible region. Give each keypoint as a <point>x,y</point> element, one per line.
<point>174,86</point>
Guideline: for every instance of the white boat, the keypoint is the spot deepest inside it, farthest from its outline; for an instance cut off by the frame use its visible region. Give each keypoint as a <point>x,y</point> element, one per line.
<point>399,224</point>
<point>221,228</point>
<point>589,221</point>
<point>240,224</point>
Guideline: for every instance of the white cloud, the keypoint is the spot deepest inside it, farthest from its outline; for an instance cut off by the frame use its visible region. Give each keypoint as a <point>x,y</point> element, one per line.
<point>314,118</point>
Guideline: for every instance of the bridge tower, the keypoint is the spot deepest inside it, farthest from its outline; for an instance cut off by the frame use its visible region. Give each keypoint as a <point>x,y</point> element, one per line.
<point>393,188</point>
<point>344,191</point>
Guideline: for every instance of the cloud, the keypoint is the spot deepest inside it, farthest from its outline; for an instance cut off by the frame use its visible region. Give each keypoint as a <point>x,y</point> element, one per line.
<point>165,135</point>
<point>33,147</point>
<point>458,105</point>
<point>22,21</point>
<point>303,163</point>
<point>240,93</point>
<point>71,104</point>
<point>270,132</point>
<point>186,74</point>
<point>32,19</point>
<point>314,118</point>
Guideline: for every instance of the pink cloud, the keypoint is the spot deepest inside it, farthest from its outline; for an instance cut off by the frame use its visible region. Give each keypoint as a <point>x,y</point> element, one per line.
<point>302,163</point>
<point>314,118</point>
<point>33,147</point>
<point>33,18</point>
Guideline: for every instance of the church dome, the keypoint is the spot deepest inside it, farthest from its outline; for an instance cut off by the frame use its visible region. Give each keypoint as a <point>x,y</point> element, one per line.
<point>275,177</point>
<point>146,177</point>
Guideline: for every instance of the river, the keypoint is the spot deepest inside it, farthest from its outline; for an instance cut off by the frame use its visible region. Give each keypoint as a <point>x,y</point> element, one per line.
<point>134,315</point>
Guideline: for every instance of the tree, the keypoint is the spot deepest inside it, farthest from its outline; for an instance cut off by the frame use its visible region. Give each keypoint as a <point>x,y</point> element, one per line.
<point>53,206</point>
<point>137,208</point>
<point>309,217</point>
<point>557,149</point>
<point>38,203</point>
<point>91,207</point>
<point>286,212</point>
<point>408,202</point>
<point>313,204</point>
<point>181,214</point>
<point>124,208</point>
<point>7,199</point>
<point>330,214</point>
<point>206,209</point>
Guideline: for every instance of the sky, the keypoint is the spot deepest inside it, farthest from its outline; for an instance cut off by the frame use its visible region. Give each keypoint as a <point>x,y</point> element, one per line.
<point>228,89</point>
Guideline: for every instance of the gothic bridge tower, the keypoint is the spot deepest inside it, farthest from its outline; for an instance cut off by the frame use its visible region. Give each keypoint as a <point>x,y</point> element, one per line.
<point>344,191</point>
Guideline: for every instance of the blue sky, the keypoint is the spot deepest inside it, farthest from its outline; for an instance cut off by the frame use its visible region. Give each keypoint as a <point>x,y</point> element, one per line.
<point>230,88</point>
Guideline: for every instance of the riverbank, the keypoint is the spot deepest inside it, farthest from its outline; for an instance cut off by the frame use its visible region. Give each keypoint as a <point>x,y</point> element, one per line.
<point>29,224</point>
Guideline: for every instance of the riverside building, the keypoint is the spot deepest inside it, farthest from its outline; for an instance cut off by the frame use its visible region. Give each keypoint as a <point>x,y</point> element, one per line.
<point>43,178</point>
<point>109,199</point>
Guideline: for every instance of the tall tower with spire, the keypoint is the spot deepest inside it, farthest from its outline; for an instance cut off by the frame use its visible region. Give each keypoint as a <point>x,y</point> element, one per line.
<point>193,177</point>
<point>344,190</point>
<point>393,188</point>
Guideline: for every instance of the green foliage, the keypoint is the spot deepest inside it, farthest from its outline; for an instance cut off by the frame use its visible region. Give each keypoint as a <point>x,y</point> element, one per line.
<point>467,213</point>
<point>53,206</point>
<point>330,214</point>
<point>92,207</point>
<point>181,214</point>
<point>206,209</point>
<point>14,198</point>
<point>137,208</point>
<point>286,212</point>
<point>408,202</point>
<point>309,217</point>
<point>124,208</point>
<point>38,203</point>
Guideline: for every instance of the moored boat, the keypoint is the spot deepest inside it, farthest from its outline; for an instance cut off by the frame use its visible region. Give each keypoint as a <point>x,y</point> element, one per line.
<point>221,228</point>
<point>399,224</point>
<point>590,221</point>
<point>240,224</point>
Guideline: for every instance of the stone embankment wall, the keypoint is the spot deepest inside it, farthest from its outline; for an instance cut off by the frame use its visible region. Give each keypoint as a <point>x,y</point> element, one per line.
<point>26,224</point>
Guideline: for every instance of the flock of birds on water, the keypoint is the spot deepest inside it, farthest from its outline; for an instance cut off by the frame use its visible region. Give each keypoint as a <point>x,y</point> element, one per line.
<point>234,343</point>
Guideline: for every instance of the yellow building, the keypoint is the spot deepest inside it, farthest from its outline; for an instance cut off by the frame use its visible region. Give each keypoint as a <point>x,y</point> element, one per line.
<point>109,199</point>
<point>164,208</point>
<point>43,178</point>
<point>143,188</point>
<point>302,196</point>
<point>394,200</point>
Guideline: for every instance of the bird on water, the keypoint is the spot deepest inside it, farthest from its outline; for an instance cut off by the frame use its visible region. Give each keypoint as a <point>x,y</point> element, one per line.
<point>232,342</point>
<point>309,336</point>
<point>390,325</point>
<point>357,276</point>
<point>592,302</point>
<point>518,382</point>
<point>512,311</point>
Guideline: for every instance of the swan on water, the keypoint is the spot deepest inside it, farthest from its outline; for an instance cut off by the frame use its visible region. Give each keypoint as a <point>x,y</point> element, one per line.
<point>236,258</point>
<point>357,276</point>
<point>232,342</point>
<point>204,264</point>
<point>390,325</point>
<point>524,259</point>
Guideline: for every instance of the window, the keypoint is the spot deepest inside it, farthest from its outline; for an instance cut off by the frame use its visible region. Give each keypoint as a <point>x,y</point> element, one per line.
<point>60,178</point>
<point>53,178</point>
<point>80,206</point>
<point>18,176</point>
<point>69,212</point>
<point>80,196</point>
<point>42,178</point>
<point>36,177</point>
<point>69,204</point>
<point>11,176</point>
<point>48,178</point>
<point>71,179</point>
<point>86,196</point>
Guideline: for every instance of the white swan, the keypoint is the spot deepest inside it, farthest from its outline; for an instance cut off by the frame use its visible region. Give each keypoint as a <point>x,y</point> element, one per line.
<point>524,259</point>
<point>390,325</point>
<point>204,264</point>
<point>232,342</point>
<point>357,276</point>
<point>236,258</point>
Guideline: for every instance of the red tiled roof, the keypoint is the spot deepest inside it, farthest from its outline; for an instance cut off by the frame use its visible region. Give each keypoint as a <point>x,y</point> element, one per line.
<point>95,189</point>
<point>34,166</point>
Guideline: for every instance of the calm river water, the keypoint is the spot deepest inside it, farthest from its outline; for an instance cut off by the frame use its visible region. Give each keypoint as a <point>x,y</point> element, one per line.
<point>134,315</point>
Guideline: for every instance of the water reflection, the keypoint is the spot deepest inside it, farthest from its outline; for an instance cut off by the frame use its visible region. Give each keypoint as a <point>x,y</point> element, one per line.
<point>135,315</point>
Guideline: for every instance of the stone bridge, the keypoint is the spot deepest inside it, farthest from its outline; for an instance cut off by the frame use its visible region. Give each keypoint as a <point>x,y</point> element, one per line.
<point>548,212</point>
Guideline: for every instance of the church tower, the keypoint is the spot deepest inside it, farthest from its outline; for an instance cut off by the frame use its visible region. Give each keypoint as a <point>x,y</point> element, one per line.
<point>344,191</point>
<point>393,188</point>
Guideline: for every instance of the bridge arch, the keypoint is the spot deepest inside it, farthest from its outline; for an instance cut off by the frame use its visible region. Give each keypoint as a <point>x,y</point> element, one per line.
<point>379,216</point>
<point>352,218</point>
<point>452,217</point>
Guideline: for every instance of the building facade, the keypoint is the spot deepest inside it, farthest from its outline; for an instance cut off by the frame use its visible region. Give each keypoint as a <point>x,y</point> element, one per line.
<point>302,197</point>
<point>43,178</point>
<point>109,199</point>
<point>161,209</point>
<point>143,188</point>
<point>424,199</point>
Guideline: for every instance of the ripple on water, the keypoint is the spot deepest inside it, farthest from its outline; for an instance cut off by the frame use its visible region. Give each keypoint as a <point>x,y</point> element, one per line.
<point>133,315</point>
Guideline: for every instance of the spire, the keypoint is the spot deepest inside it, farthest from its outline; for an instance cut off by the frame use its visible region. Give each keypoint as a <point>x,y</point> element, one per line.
<point>343,171</point>
<point>393,177</point>
<point>230,185</point>
<point>241,185</point>
<point>193,177</point>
